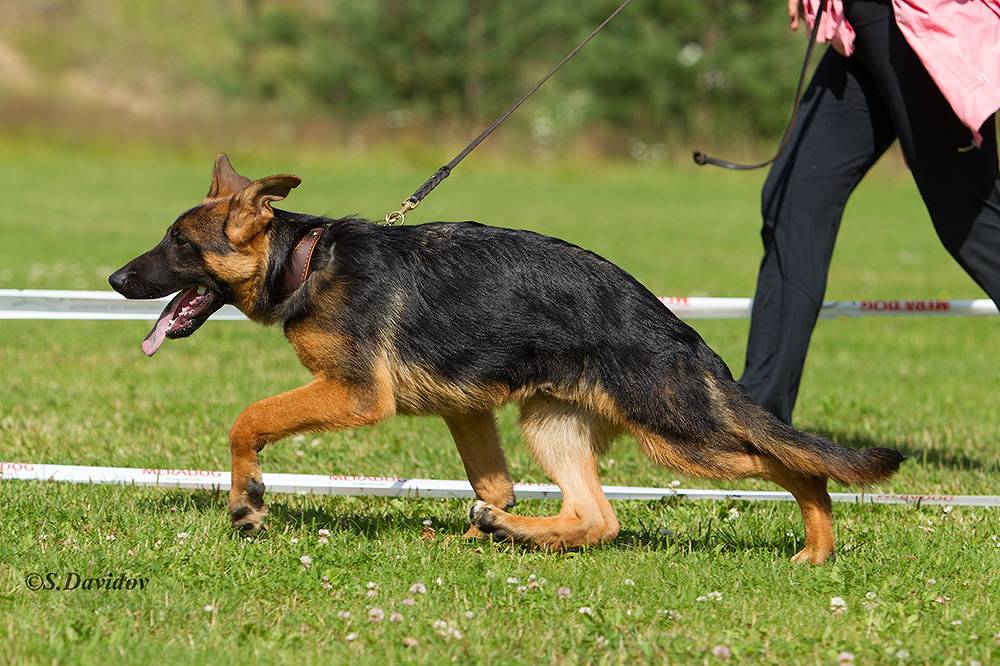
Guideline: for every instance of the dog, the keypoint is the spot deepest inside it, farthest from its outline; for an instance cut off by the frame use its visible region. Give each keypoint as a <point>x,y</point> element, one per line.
<point>457,319</point>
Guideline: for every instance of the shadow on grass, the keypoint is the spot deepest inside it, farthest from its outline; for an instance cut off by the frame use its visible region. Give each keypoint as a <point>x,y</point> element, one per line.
<point>707,536</point>
<point>923,455</point>
<point>175,500</point>
<point>367,525</point>
<point>704,536</point>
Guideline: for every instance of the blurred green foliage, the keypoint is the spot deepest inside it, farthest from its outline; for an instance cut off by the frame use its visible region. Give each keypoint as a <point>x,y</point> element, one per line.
<point>663,70</point>
<point>678,67</point>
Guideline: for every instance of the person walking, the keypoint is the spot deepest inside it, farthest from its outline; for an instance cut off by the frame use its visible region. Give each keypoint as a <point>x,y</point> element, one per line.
<point>925,72</point>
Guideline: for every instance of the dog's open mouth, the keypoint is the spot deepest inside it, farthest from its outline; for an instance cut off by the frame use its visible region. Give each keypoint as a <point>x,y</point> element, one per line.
<point>183,315</point>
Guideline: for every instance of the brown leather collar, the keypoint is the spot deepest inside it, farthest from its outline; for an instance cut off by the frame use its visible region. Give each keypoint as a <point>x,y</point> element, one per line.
<point>299,264</point>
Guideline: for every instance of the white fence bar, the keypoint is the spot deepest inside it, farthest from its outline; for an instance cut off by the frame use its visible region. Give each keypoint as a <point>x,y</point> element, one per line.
<point>697,307</point>
<point>380,486</point>
<point>57,304</point>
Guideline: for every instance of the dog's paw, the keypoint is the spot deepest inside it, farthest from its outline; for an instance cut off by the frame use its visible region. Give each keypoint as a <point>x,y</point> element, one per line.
<point>247,519</point>
<point>473,533</point>
<point>809,555</point>
<point>486,517</point>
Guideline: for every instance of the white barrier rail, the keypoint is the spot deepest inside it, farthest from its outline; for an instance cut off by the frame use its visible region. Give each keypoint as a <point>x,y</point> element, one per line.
<point>56,304</point>
<point>377,486</point>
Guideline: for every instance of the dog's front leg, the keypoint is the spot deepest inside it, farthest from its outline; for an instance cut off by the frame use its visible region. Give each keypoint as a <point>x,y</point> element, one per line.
<point>323,404</point>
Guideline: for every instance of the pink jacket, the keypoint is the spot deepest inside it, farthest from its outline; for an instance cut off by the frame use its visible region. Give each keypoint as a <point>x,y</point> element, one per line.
<point>958,41</point>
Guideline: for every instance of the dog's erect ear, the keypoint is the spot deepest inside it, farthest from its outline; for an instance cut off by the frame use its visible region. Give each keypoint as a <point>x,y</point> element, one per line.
<point>251,209</point>
<point>225,181</point>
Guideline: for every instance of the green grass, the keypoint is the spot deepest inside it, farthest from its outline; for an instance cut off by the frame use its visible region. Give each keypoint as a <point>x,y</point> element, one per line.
<point>82,393</point>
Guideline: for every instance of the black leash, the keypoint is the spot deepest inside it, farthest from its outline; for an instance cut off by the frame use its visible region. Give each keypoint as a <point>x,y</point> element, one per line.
<point>702,159</point>
<point>414,200</point>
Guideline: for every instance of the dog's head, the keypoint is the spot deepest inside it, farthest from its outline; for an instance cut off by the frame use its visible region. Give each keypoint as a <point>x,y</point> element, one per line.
<point>213,254</point>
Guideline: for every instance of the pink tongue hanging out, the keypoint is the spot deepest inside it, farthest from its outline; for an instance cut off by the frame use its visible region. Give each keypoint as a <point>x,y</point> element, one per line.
<point>173,317</point>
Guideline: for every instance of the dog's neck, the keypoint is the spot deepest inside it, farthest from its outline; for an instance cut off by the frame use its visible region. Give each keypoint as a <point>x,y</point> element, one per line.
<point>296,246</point>
<point>298,264</point>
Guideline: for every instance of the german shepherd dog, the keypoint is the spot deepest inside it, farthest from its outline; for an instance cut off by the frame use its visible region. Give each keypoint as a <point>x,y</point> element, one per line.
<point>456,319</point>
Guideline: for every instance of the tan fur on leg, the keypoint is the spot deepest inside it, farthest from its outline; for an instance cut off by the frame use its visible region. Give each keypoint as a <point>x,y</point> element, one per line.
<point>563,439</point>
<point>479,445</point>
<point>320,405</point>
<point>816,507</point>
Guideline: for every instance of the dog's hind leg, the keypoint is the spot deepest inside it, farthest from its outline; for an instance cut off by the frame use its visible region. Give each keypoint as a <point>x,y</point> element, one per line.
<point>564,440</point>
<point>479,445</point>
<point>726,457</point>
<point>814,504</point>
<point>322,404</point>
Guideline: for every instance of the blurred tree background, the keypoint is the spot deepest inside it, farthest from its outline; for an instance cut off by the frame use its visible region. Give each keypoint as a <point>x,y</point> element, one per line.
<point>665,71</point>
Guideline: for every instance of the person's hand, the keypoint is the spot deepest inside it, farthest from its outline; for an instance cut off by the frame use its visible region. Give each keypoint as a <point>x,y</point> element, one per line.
<point>793,14</point>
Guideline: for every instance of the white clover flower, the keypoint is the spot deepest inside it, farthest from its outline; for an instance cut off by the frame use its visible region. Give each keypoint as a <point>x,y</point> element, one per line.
<point>181,536</point>
<point>343,615</point>
<point>409,601</point>
<point>371,585</point>
<point>722,652</point>
<point>428,522</point>
<point>845,658</point>
<point>511,580</point>
<point>564,593</point>
<point>376,615</point>
<point>209,608</point>
<point>690,54</point>
<point>395,617</point>
<point>324,532</point>
<point>586,610</point>
<point>675,484</point>
<point>629,582</point>
<point>410,641</point>
<point>870,595</point>
<point>418,588</point>
<point>353,636</point>
<point>838,605</point>
<point>306,561</point>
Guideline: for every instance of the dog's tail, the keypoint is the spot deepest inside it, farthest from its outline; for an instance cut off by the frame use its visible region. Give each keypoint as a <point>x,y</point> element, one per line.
<point>805,452</point>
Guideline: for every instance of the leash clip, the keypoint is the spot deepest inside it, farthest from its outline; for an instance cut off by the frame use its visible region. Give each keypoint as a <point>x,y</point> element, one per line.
<point>399,216</point>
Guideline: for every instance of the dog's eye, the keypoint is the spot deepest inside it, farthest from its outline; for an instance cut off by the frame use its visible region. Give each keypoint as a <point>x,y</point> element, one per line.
<point>178,240</point>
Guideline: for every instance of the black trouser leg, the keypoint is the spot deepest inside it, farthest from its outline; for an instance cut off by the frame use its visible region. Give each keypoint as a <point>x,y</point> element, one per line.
<point>887,93</point>
<point>961,189</point>
<point>843,128</point>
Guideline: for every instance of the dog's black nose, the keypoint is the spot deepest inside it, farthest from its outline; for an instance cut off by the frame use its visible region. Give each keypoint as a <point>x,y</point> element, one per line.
<point>118,279</point>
